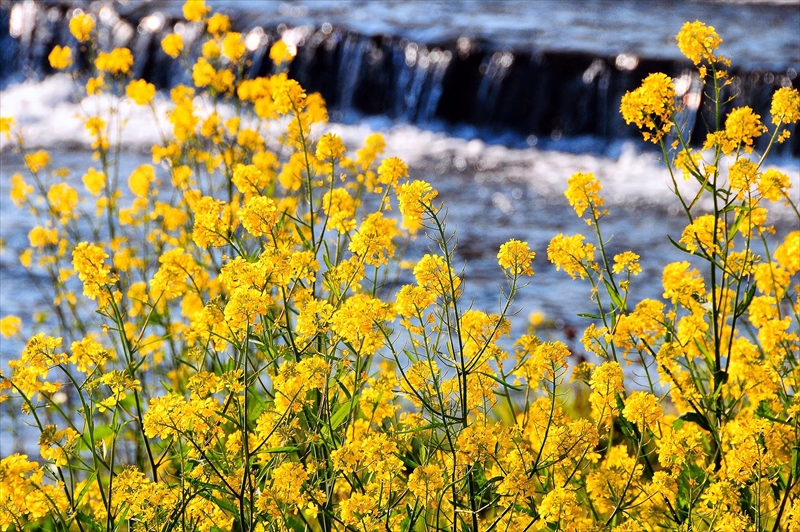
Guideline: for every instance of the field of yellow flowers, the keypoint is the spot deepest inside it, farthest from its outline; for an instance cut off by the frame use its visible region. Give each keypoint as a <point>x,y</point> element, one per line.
<point>228,354</point>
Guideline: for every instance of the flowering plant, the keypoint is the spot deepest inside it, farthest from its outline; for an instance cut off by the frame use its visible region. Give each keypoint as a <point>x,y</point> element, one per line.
<point>239,359</point>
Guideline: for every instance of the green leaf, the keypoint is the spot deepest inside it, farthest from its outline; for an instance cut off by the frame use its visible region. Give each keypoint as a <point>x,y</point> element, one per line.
<point>697,419</point>
<point>796,461</point>
<point>342,412</point>
<point>614,295</point>
<point>89,521</point>
<point>420,429</point>
<point>744,304</point>
<point>588,315</point>
<point>501,381</point>
<point>679,246</point>
<point>285,449</point>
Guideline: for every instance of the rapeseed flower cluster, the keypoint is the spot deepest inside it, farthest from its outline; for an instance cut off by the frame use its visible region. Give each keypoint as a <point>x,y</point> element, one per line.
<point>242,356</point>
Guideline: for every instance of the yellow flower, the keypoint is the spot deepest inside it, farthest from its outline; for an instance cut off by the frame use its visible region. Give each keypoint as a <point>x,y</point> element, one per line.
<point>233,46</point>
<point>330,146</point>
<point>642,409</point>
<point>209,228</point>
<point>140,91</point>
<point>211,50</point>
<point>117,61</point>
<point>516,257</point>
<point>741,127</point>
<point>258,216</point>
<point>698,41</point>
<point>172,44</point>
<point>6,122</point>
<point>36,161</point>
<point>560,506</point>
<point>774,184</point>
<point>195,10</point>
<point>203,73</point>
<point>10,325</point>
<point>281,53</point>
<point>88,354</point>
<point>373,241</point>
<point>340,208</point>
<point>651,106</point>
<point>571,254</point>
<point>788,253</point>
<point>359,322</point>
<point>63,199</point>
<point>89,261</point>
<point>94,181</point>
<point>606,383</point>
<point>391,170</point>
<point>742,176</point>
<point>785,107</point>
<point>414,199</point>
<point>39,236</point>
<point>218,24</point>
<point>629,260</point>
<point>700,234</point>
<point>81,26</point>
<point>141,179</point>
<point>681,284</point>
<point>19,189</point>
<point>93,85</point>
<point>60,58</point>
<point>583,192</point>
<point>433,274</point>
<point>287,94</point>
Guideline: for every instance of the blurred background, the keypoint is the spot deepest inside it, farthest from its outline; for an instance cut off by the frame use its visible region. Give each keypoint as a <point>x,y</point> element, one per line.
<point>496,103</point>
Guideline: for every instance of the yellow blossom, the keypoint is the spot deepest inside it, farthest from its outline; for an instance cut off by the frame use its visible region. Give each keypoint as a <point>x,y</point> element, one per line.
<point>773,184</point>
<point>117,61</point>
<point>233,46</point>
<point>650,106</point>
<point>94,181</point>
<point>391,170</point>
<point>373,240</point>
<point>642,409</point>
<point>627,260</point>
<point>329,146</point>
<point>37,160</point>
<point>19,190</point>
<point>6,123</point>
<point>60,58</point>
<point>414,200</point>
<point>698,42</point>
<point>785,108</point>
<point>172,44</point>
<point>141,179</point>
<point>10,325</point>
<point>89,261</point>
<point>140,91</point>
<point>583,192</point>
<point>571,254</point>
<point>516,257</point>
<point>218,24</point>
<point>81,26</point>
<point>281,53</point>
<point>195,10</point>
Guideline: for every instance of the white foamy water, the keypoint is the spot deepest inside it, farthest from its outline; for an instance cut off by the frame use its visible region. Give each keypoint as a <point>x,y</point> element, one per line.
<point>51,118</point>
<point>761,34</point>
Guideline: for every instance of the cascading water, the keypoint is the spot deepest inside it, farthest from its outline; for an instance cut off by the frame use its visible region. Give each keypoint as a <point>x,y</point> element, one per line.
<point>498,87</point>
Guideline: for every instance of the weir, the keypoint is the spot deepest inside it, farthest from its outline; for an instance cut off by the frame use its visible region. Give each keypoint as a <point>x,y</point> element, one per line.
<point>500,90</point>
